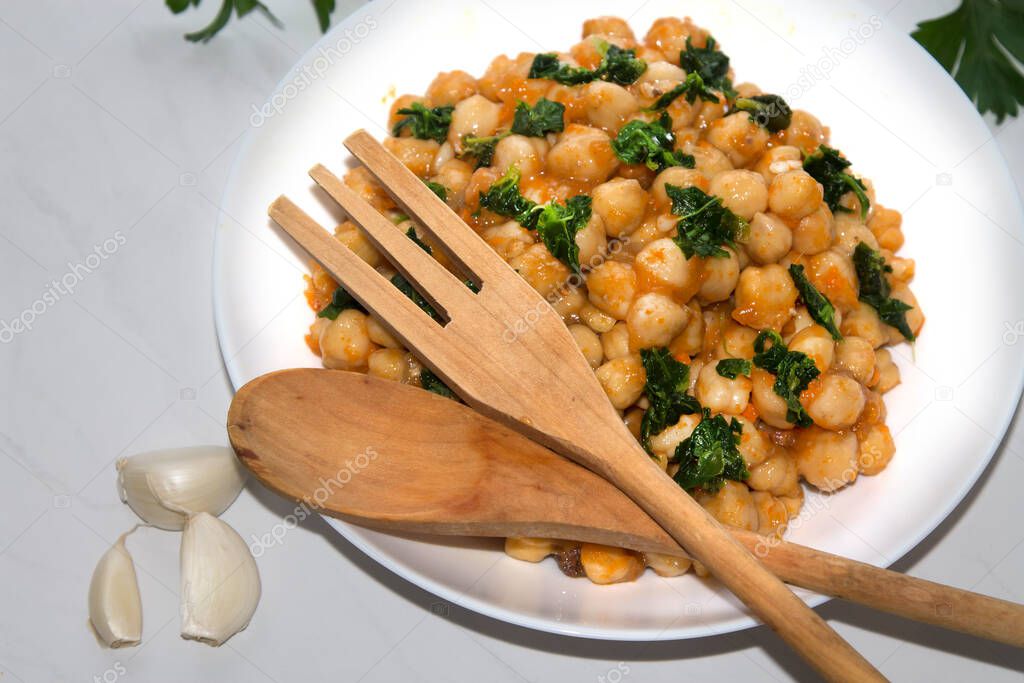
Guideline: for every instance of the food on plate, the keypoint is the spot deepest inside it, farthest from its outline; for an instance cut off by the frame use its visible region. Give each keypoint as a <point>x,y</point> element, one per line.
<point>729,277</point>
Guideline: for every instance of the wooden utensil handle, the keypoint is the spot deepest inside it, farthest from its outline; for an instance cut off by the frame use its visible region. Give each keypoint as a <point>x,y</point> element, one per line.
<point>687,522</point>
<point>889,591</point>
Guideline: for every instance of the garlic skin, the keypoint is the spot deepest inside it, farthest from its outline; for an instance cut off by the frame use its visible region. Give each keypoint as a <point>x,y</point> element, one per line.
<point>115,606</point>
<point>220,585</point>
<point>163,487</point>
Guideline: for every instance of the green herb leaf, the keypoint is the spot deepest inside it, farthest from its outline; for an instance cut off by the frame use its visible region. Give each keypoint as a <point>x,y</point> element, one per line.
<point>731,368</point>
<point>620,66</point>
<point>482,149</point>
<point>540,119</point>
<point>768,111</point>
<point>340,301</point>
<point>652,144</point>
<point>437,188</point>
<point>818,305</point>
<point>504,199</point>
<point>794,371</point>
<point>691,88</point>
<point>828,167</point>
<point>546,65</point>
<point>557,225</point>
<point>988,33</point>
<point>411,234</point>
<point>705,224</point>
<point>406,288</point>
<point>711,454</point>
<point>323,13</point>
<point>667,383</point>
<point>433,383</point>
<point>617,66</point>
<point>875,289</point>
<point>710,63</point>
<point>425,124</point>
<point>241,7</point>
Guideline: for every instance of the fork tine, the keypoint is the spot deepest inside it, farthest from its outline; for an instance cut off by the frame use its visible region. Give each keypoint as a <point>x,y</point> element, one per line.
<point>444,291</point>
<point>402,318</point>
<point>464,246</point>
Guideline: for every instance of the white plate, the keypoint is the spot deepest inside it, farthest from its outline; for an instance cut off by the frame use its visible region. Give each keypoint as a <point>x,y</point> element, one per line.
<point>891,109</point>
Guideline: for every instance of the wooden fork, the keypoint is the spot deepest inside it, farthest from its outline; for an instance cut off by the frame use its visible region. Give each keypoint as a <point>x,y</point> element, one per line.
<point>508,355</point>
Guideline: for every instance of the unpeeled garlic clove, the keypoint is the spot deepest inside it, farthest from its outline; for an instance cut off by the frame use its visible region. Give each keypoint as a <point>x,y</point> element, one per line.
<point>115,607</point>
<point>220,585</point>
<point>163,487</point>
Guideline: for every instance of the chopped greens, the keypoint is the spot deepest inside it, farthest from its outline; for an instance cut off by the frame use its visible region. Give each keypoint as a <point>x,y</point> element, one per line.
<point>557,225</point>
<point>731,368</point>
<point>652,144</point>
<point>437,188</point>
<point>828,167</point>
<point>793,370</point>
<point>406,288</point>
<point>667,382</point>
<point>433,383</point>
<point>818,305</point>
<point>504,199</point>
<point>482,149</point>
<point>710,63</point>
<point>711,454</point>
<point>540,119</point>
<point>705,224</point>
<point>411,234</point>
<point>323,9</point>
<point>875,289</point>
<point>340,301</point>
<point>617,66</point>
<point>425,124</point>
<point>768,111</point>
<point>692,88</point>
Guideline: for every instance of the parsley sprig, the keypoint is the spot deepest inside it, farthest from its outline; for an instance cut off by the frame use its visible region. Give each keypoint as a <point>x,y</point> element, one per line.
<point>651,143</point>
<point>875,289</point>
<point>710,63</point>
<point>424,123</point>
<point>794,371</point>
<point>771,112</point>
<point>711,454</point>
<point>667,383</point>
<point>557,225</point>
<point>241,8</point>
<point>818,305</point>
<point>537,121</point>
<point>705,224</point>
<point>617,65</point>
<point>731,368</point>
<point>691,88</point>
<point>828,167</point>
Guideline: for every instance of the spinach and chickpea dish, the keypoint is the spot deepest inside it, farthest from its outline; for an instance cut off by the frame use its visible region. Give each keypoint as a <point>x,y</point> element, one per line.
<point>740,282</point>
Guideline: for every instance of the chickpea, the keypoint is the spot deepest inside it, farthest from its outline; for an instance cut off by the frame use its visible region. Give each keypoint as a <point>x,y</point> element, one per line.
<point>655,319</point>
<point>668,35</point>
<point>739,138</point>
<point>772,515</point>
<point>801,320</point>
<point>475,116</point>
<point>604,564</point>
<point>754,446</point>
<point>355,239</point>
<point>661,74</point>
<point>345,343</point>
<point>623,380</point>
<point>387,364</point>
<point>737,341</point>
<point>568,303</point>
<point>793,502</point>
<point>582,153</point>
<point>709,160</point>
<point>526,154</point>
<point>915,318</point>
<point>633,420</point>
<point>621,204</point>
<point>454,175</point>
<point>589,343</point>
<point>721,276</point>
<point>771,407</point>
<point>416,155</point>
<point>402,102</point>
<point>721,394</point>
<point>664,444</point>
<point>816,343</point>
<point>661,266</point>
<point>814,232</point>
<point>608,105</point>
<point>450,87</point>
<point>863,322</point>
<point>609,26</point>
<point>885,224</point>
<point>678,176</point>
<point>379,335</point>
<point>596,319</point>
<point>743,192</point>
<point>691,340</point>
<point>500,71</point>
<point>834,275</point>
<point>827,460</point>
<point>508,239</point>
<point>779,160</point>
<point>615,342</point>
<point>850,232</point>
<point>805,132</point>
<point>902,269</point>
<point>769,240</point>
<point>732,506</point>
<point>612,288</point>
<point>856,357</point>
<point>794,194</point>
<point>876,449</point>
<point>531,549</point>
<point>591,241</point>
<point>765,297</point>
<point>667,565</point>
<point>538,267</point>
<point>777,475</point>
<point>835,401</point>
<point>888,371</point>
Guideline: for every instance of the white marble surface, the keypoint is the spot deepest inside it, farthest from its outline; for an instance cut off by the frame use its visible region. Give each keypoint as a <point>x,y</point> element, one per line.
<point>114,128</point>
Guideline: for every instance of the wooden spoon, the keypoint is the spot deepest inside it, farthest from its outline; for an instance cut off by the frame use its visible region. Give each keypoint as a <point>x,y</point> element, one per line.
<point>397,458</point>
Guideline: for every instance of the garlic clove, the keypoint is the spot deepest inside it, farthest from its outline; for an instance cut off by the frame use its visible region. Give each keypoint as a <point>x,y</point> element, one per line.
<point>220,585</point>
<point>115,607</point>
<point>163,487</point>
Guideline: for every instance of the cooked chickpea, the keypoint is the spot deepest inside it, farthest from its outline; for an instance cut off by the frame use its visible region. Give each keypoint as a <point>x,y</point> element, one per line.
<point>805,132</point>
<point>531,549</point>
<point>765,297</point>
<point>888,372</point>
<point>754,446</point>
<point>604,564</point>
<point>589,343</point>
<point>661,266</point>
<point>567,302</point>
<point>826,459</point>
<point>876,449</point>
<point>737,341</point>
<point>416,155</point>
<point>771,407</point>
<point>885,224</point>
<point>769,240</point>
<point>345,343</point>
<point>856,357</point>
<point>526,154</point>
<point>834,275</point>
<point>915,317</point>
<point>817,344</point>
<point>655,319</point>
<point>543,271</point>
<point>814,232</point>
<point>591,241</point>
<point>508,239</point>
<point>621,204</point>
<point>863,322</point>
<point>615,342</point>
<point>668,565</point>
<point>794,194</point>
<point>778,160</point>
<point>850,232</point>
<point>612,288</point>
<point>777,475</point>
<point>355,239</point>
<point>679,177</point>
<point>450,87</point>
<point>475,116</point>
<point>582,153</point>
<point>608,105</point>
<point>709,160</point>
<point>622,380</point>
<point>668,35</point>
<point>732,506</point>
<point>608,26</point>
<point>691,340</point>
<point>387,364</point>
<point>743,192</point>
<point>502,69</point>
<point>454,176</point>
<point>836,402</point>
<point>772,515</point>
<point>665,443</point>
<point>720,277</point>
<point>379,335</point>
<point>596,319</point>
<point>739,138</point>
<point>721,394</point>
